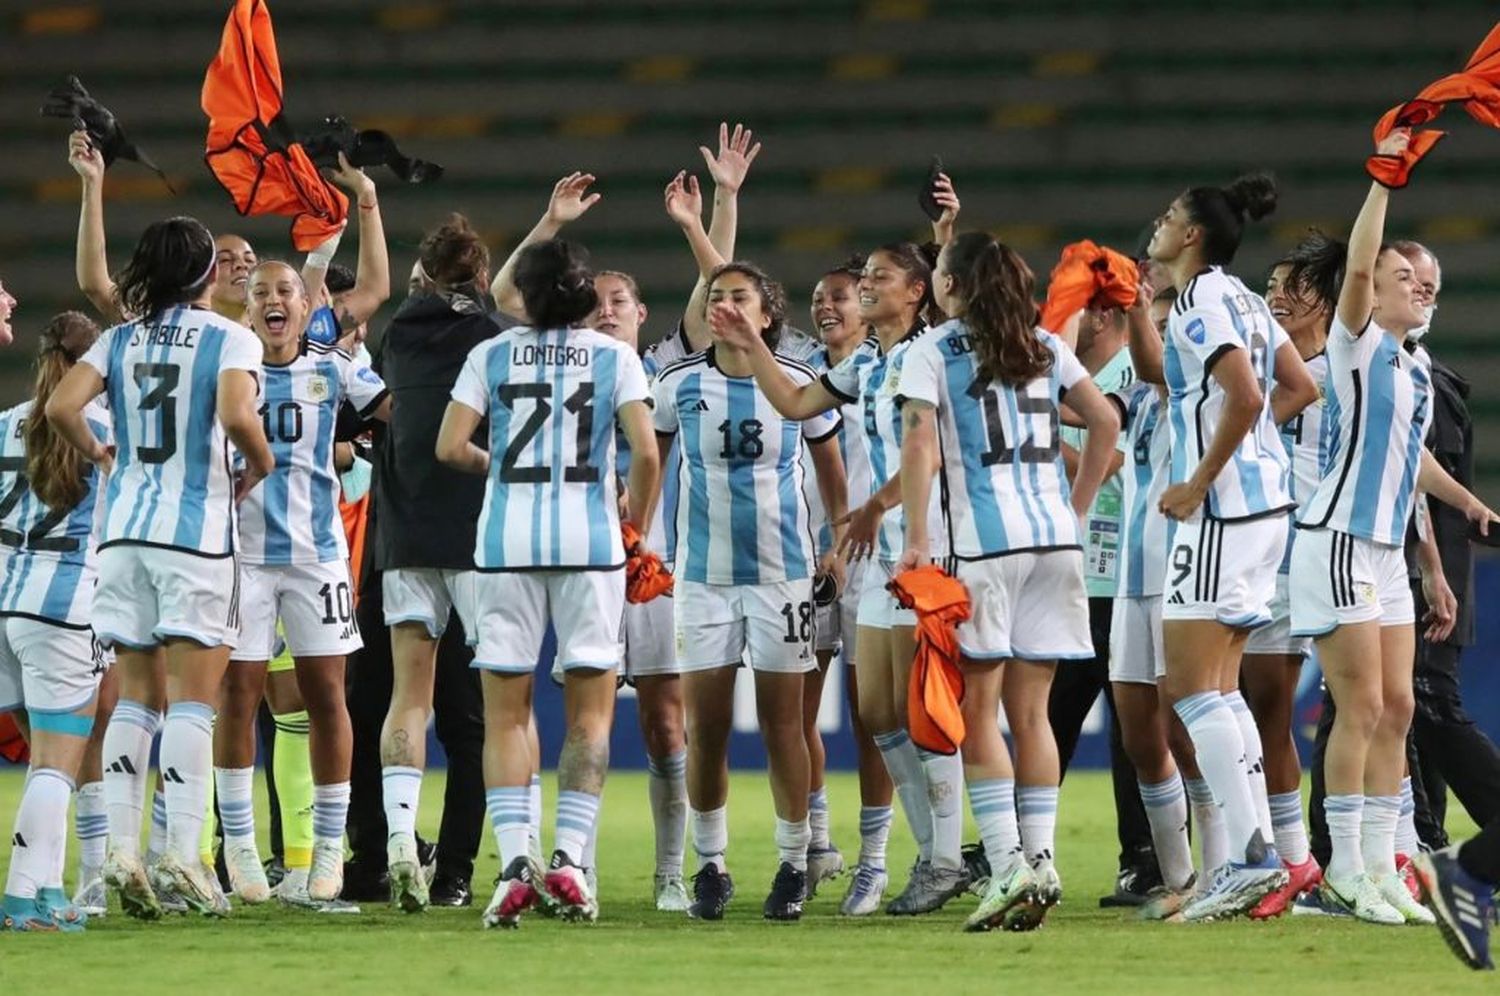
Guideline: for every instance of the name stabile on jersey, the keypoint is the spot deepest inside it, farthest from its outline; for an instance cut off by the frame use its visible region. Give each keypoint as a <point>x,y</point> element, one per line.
<point>165,335</point>
<point>550,355</point>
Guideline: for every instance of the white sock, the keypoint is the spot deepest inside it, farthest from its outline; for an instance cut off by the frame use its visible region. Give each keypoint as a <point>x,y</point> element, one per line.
<point>127,760</point>
<point>993,803</point>
<point>874,832</point>
<point>1289,828</point>
<point>711,836</point>
<point>944,775</point>
<point>1166,811</point>
<point>1213,838</point>
<point>666,785</point>
<point>817,819</point>
<point>536,812</point>
<point>41,831</point>
<point>1406,827</point>
<point>330,812</point>
<point>1036,813</point>
<point>1255,761</point>
<point>575,822</point>
<point>510,817</point>
<point>591,846</point>
<point>156,845</point>
<point>1221,758</point>
<point>91,826</point>
<point>187,743</point>
<point>401,791</point>
<point>1345,814</point>
<point>905,766</point>
<point>1377,836</point>
<point>236,803</point>
<point>792,838</point>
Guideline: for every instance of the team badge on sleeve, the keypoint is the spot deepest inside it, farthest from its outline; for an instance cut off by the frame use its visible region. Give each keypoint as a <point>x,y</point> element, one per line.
<point>1197,331</point>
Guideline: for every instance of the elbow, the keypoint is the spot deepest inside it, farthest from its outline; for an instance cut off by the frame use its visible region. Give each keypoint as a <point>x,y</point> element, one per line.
<point>56,409</point>
<point>447,453</point>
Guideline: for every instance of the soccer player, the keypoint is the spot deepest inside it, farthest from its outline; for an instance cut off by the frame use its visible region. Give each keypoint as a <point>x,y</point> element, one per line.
<point>979,397</point>
<point>295,573</point>
<point>1228,493</point>
<point>744,570</point>
<point>1301,292</point>
<point>1136,659</point>
<point>1348,575</point>
<point>182,385</point>
<point>548,549</point>
<point>50,663</point>
<point>894,290</point>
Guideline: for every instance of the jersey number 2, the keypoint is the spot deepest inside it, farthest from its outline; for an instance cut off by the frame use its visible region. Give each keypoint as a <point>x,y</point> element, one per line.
<point>36,538</point>
<point>579,403</point>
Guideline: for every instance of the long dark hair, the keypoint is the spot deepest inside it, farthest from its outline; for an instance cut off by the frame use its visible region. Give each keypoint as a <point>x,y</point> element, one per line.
<point>556,284</point>
<point>1316,268</point>
<point>1221,213</point>
<point>54,468</point>
<point>998,291</point>
<point>911,260</point>
<point>172,264</point>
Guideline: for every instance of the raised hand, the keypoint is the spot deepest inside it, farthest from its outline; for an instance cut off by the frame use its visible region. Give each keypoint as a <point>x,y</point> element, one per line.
<point>571,198</point>
<point>730,325</point>
<point>730,166</point>
<point>947,199</point>
<point>683,199</point>
<point>352,178</point>
<point>84,158</point>
<point>1395,143</point>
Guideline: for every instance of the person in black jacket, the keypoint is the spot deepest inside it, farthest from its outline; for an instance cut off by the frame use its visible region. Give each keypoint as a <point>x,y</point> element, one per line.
<point>425,516</point>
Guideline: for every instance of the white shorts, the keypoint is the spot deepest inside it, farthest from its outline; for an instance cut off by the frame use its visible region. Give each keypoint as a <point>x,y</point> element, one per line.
<point>1224,571</point>
<point>512,609</point>
<point>1276,636</point>
<point>428,595</point>
<point>147,595</point>
<point>1338,579</point>
<point>48,668</point>
<point>878,608</point>
<point>1136,654</point>
<point>314,602</point>
<point>770,626</point>
<point>1026,606</point>
<point>648,644</point>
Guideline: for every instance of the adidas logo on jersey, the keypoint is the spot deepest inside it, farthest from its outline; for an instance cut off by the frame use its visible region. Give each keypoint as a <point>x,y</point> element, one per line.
<point>701,406</point>
<point>1176,599</point>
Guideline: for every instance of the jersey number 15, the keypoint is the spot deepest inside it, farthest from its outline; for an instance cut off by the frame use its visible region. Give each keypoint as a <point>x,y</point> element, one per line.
<point>1039,411</point>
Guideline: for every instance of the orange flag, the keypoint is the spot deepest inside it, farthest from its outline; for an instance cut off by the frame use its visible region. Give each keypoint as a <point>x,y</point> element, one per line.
<point>251,149</point>
<point>1477,88</point>
<point>935,692</point>
<point>1088,274</point>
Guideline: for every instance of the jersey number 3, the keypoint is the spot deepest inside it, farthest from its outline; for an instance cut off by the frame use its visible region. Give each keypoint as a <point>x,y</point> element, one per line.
<point>579,403</point>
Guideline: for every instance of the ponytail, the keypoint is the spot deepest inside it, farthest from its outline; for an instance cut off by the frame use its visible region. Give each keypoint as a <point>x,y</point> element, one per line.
<point>998,290</point>
<point>54,468</point>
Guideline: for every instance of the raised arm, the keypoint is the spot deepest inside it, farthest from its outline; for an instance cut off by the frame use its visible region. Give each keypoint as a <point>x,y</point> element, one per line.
<point>947,199</point>
<point>684,204</point>
<point>1357,296</point>
<point>372,278</point>
<point>1145,340</point>
<point>728,169</point>
<point>570,201</point>
<point>91,262</point>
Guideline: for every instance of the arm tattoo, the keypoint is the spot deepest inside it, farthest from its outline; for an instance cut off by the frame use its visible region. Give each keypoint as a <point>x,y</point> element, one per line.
<point>914,410</point>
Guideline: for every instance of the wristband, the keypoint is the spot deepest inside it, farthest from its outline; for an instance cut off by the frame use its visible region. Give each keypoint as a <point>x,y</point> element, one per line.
<point>322,254</point>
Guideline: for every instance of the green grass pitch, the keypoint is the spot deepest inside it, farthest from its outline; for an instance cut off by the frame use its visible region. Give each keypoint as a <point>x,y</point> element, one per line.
<point>634,949</point>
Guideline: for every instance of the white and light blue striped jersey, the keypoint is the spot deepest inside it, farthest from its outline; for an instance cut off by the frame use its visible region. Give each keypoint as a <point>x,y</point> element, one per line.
<point>742,517</point>
<point>1004,485</point>
<point>871,379</point>
<point>1379,405</point>
<point>552,397</point>
<point>172,486</point>
<point>1216,313</point>
<point>1101,539</point>
<point>46,554</point>
<point>292,517</point>
<point>854,448</point>
<point>1302,435</point>
<point>1143,477</point>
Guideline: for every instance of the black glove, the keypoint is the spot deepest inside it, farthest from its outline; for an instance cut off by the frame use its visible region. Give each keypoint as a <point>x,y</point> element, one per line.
<point>72,102</point>
<point>364,148</point>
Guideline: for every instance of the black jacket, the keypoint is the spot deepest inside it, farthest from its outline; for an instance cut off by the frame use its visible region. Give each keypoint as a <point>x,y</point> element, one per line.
<point>1451,439</point>
<point>426,514</point>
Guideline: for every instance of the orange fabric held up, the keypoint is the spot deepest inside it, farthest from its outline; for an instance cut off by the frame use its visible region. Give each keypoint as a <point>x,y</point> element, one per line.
<point>1477,88</point>
<point>936,688</point>
<point>251,149</point>
<point>12,745</point>
<point>356,516</point>
<point>645,577</point>
<point>1088,275</point>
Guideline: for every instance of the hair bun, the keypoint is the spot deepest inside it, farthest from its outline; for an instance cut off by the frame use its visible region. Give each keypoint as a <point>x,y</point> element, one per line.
<point>1253,195</point>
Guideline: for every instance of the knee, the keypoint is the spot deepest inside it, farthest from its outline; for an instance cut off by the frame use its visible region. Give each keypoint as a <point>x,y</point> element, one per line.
<point>1028,719</point>
<point>1400,705</point>
<point>1360,709</point>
